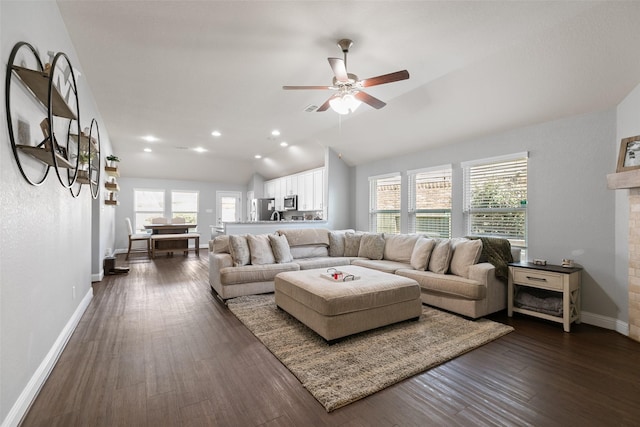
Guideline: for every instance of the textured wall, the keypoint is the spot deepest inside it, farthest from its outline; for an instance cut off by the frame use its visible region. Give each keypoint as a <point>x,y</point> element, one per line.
<point>45,234</point>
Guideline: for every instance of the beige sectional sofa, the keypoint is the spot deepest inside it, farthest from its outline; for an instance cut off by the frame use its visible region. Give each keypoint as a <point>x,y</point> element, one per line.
<point>448,270</point>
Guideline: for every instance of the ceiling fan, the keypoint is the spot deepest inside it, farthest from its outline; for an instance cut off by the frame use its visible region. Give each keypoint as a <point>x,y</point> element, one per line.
<point>348,87</point>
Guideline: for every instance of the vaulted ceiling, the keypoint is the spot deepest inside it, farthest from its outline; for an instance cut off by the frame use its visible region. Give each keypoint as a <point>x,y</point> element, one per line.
<point>179,70</point>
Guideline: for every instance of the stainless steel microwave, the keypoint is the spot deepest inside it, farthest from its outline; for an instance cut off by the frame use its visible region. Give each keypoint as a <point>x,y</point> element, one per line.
<point>291,203</point>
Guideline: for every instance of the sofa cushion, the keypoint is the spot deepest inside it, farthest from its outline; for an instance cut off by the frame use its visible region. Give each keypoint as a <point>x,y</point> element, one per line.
<point>371,246</point>
<point>380,265</point>
<point>446,284</point>
<point>440,257</point>
<point>220,245</point>
<point>280,248</point>
<point>336,243</point>
<point>422,253</point>
<point>239,250</point>
<point>309,251</point>
<point>322,262</point>
<point>465,254</point>
<point>399,247</point>
<point>352,243</point>
<point>306,236</point>
<point>260,248</point>
<point>254,273</point>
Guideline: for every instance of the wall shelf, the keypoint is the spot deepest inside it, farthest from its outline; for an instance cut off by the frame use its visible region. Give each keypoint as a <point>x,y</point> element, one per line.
<point>38,84</point>
<point>112,186</point>
<point>112,171</point>
<point>620,180</point>
<point>42,86</point>
<point>44,155</point>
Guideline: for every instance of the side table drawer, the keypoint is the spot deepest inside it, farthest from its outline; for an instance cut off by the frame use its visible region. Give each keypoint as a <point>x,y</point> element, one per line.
<point>538,279</point>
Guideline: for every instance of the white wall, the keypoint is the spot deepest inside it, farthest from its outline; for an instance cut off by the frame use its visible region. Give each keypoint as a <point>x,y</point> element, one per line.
<point>338,191</point>
<point>45,234</point>
<point>571,212</point>
<point>207,202</point>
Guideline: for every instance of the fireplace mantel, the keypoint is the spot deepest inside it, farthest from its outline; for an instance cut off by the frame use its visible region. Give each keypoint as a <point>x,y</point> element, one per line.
<point>620,180</point>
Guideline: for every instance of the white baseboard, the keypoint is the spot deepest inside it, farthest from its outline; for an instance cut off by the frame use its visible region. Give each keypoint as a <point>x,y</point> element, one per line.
<point>98,277</point>
<point>605,322</point>
<point>28,395</point>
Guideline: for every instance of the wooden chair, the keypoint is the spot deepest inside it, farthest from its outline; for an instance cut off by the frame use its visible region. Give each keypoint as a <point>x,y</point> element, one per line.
<point>133,237</point>
<point>177,220</point>
<point>159,220</point>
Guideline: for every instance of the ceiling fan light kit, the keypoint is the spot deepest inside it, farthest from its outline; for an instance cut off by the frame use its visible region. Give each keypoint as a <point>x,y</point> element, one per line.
<point>349,86</point>
<point>344,104</point>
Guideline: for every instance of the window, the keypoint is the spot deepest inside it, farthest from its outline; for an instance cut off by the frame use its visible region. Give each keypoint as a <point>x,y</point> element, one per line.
<point>147,204</point>
<point>495,193</point>
<point>184,204</point>
<point>384,204</point>
<point>430,201</point>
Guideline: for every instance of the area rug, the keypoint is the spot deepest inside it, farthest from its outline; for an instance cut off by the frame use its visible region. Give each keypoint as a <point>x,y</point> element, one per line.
<point>365,363</point>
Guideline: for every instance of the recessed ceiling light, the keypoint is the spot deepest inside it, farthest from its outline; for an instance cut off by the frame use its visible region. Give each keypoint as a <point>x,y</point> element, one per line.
<point>150,138</point>
<point>200,149</point>
<point>216,133</point>
<point>284,144</point>
<point>148,150</point>
<point>258,156</point>
<point>275,132</point>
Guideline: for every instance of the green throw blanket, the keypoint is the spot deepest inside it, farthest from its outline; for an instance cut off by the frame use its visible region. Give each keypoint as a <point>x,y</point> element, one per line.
<point>497,251</point>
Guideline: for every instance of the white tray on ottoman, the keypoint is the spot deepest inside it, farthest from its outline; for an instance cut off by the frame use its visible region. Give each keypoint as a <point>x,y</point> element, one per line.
<point>337,309</point>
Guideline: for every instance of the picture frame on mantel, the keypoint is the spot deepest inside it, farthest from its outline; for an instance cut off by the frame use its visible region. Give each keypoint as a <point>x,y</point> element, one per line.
<point>629,157</point>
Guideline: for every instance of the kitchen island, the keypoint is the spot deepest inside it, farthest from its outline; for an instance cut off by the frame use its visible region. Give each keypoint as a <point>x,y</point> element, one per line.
<point>268,227</point>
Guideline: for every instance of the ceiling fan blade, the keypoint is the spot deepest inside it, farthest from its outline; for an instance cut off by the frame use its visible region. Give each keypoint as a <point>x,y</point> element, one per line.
<point>339,69</point>
<point>305,87</point>
<point>368,99</point>
<point>325,106</point>
<point>385,78</point>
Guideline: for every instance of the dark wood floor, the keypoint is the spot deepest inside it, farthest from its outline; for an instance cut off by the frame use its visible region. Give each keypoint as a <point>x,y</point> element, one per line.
<point>155,348</point>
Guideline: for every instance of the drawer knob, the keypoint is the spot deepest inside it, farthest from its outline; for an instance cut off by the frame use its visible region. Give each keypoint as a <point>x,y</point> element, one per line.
<point>540,279</point>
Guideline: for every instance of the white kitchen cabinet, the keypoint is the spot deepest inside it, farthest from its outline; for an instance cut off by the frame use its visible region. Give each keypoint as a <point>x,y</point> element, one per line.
<point>280,190</point>
<point>291,185</point>
<point>270,189</point>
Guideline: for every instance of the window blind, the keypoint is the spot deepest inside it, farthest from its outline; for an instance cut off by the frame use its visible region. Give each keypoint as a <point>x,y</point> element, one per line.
<point>384,203</point>
<point>495,197</point>
<point>184,204</point>
<point>430,201</point>
<point>147,204</point>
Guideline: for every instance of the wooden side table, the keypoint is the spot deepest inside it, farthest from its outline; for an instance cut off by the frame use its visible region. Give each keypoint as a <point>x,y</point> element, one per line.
<point>563,280</point>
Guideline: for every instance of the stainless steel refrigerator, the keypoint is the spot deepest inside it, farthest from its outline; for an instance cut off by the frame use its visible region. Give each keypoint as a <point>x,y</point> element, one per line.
<point>264,208</point>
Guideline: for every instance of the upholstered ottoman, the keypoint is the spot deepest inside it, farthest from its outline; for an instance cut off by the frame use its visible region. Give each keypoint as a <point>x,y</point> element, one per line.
<point>337,309</point>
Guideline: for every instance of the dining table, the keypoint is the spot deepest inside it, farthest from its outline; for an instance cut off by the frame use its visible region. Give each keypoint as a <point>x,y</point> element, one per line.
<point>178,245</point>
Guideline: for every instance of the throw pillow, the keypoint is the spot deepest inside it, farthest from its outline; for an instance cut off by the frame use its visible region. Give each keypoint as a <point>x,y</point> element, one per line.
<point>221,245</point>
<point>239,250</point>
<point>465,254</point>
<point>352,243</point>
<point>260,248</point>
<point>280,247</point>
<point>336,243</point>
<point>399,247</point>
<point>371,246</point>
<point>440,257</point>
<point>421,253</point>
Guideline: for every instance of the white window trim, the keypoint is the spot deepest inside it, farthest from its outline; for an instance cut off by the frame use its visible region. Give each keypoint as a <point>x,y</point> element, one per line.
<point>411,189</point>
<point>467,195</point>
<point>373,200</point>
